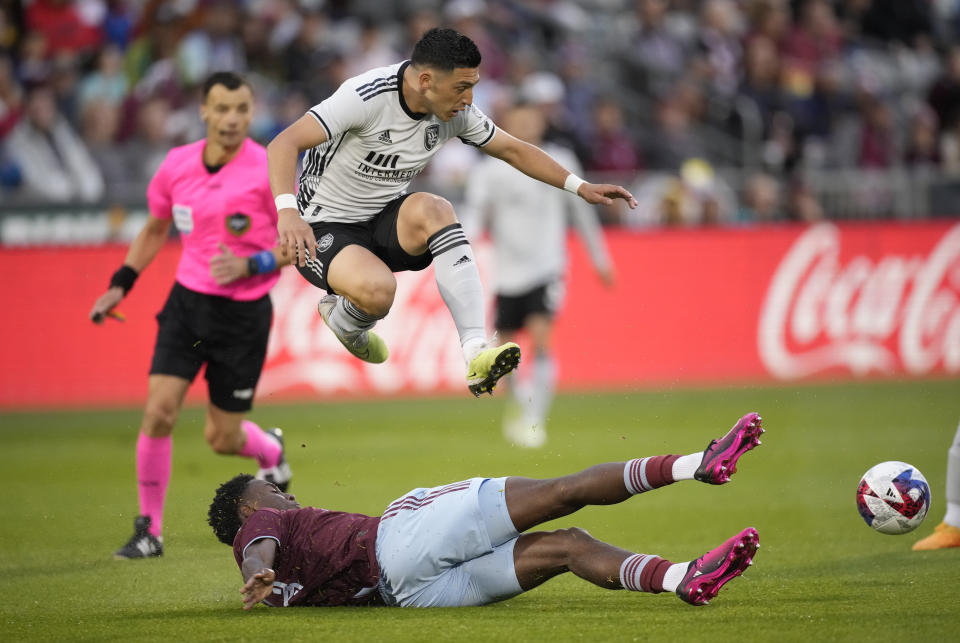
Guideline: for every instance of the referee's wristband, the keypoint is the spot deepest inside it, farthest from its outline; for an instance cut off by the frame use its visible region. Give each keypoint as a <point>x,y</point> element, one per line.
<point>284,201</point>
<point>124,278</point>
<point>262,262</point>
<point>573,183</point>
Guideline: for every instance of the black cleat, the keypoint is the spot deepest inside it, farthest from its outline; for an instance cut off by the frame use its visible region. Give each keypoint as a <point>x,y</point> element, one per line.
<point>279,475</point>
<point>142,544</point>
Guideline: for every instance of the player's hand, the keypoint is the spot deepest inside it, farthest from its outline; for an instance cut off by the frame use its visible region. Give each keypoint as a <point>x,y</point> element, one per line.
<point>258,587</point>
<point>227,267</point>
<point>296,236</point>
<point>107,302</point>
<point>604,194</point>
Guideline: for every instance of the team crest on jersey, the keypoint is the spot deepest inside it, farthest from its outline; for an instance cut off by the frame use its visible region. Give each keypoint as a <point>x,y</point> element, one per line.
<point>238,223</point>
<point>385,137</point>
<point>325,242</point>
<point>430,136</point>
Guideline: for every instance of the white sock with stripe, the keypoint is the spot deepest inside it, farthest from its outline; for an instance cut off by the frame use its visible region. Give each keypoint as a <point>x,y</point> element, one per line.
<point>458,281</point>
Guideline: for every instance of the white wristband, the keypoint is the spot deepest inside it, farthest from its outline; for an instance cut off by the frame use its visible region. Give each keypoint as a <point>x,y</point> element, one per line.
<point>284,201</point>
<point>573,183</point>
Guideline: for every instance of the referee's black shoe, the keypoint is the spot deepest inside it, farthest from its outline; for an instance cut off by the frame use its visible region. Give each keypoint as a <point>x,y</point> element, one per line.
<point>280,474</point>
<point>142,544</point>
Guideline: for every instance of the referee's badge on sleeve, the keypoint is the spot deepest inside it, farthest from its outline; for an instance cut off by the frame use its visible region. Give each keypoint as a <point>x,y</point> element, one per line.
<point>183,218</point>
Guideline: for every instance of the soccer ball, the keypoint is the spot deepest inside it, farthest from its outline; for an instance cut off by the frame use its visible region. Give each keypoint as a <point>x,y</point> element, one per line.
<point>893,497</point>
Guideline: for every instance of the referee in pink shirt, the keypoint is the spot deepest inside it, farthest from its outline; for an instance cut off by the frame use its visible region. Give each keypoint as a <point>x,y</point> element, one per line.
<point>217,193</point>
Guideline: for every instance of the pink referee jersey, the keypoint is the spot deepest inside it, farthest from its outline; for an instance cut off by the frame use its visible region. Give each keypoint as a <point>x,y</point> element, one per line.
<point>233,206</point>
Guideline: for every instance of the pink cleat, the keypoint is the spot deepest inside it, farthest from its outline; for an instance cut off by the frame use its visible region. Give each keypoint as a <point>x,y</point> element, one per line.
<point>720,458</point>
<point>707,574</point>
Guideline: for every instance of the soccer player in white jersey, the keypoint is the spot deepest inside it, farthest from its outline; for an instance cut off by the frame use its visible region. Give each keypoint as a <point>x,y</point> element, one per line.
<point>528,221</point>
<point>947,533</point>
<point>352,224</point>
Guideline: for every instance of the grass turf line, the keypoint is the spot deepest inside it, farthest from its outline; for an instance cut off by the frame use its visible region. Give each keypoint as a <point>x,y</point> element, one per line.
<point>70,499</point>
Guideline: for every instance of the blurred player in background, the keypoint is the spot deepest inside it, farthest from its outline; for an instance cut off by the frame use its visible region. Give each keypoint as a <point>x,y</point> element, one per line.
<point>219,311</point>
<point>464,544</point>
<point>528,221</point>
<point>947,533</point>
<point>353,225</point>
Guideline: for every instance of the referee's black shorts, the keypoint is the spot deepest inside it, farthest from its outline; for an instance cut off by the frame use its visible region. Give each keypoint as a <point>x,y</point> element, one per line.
<point>229,336</point>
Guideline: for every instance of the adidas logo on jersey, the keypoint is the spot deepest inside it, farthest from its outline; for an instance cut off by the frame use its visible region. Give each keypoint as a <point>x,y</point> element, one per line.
<point>385,137</point>
<point>462,260</point>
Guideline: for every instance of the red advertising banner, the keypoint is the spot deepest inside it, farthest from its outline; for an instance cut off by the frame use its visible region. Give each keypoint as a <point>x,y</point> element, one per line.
<point>697,306</point>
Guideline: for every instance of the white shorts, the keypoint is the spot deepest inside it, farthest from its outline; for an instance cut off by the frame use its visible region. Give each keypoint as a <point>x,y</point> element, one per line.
<point>449,546</point>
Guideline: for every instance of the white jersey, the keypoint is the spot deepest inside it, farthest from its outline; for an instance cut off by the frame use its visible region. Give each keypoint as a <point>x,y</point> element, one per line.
<point>375,146</point>
<point>528,221</point>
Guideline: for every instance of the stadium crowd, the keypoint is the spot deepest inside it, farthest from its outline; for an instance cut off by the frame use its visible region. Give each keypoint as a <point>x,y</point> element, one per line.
<point>709,110</point>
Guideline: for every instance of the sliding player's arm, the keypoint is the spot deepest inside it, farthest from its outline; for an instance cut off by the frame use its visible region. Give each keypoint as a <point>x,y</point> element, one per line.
<point>142,251</point>
<point>295,235</point>
<point>536,163</point>
<point>257,569</point>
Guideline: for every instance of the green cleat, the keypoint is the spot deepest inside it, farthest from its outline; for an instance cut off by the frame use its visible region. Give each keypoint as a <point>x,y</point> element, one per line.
<point>490,365</point>
<point>366,345</point>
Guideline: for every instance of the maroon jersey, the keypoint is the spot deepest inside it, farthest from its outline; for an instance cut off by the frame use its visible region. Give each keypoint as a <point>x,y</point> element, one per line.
<point>323,557</point>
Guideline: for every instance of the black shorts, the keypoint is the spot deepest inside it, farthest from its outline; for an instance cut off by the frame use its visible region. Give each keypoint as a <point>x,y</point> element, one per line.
<point>513,310</point>
<point>378,235</point>
<point>229,336</point>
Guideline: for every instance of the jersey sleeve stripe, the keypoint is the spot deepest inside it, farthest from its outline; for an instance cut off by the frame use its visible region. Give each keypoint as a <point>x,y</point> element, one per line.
<point>375,81</point>
<point>257,539</point>
<point>378,86</point>
<point>314,113</point>
<point>381,91</point>
<point>493,130</point>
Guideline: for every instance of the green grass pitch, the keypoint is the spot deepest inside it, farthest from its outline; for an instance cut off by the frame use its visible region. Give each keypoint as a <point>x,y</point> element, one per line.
<point>69,500</point>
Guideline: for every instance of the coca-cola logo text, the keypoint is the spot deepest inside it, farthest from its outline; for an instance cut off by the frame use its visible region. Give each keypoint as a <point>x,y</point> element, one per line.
<point>864,314</point>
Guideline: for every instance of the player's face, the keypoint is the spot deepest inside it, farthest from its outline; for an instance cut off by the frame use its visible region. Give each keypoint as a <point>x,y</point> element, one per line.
<point>450,92</point>
<point>261,494</point>
<point>227,113</point>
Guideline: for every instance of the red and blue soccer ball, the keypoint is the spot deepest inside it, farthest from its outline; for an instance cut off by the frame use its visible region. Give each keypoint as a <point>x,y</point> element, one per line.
<point>893,497</point>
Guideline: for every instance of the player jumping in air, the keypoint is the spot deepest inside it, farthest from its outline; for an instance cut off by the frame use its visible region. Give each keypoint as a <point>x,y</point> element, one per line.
<point>467,543</point>
<point>352,224</point>
<point>219,311</point>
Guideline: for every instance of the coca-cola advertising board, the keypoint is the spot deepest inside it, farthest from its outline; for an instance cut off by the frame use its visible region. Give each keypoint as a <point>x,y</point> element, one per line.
<point>689,307</point>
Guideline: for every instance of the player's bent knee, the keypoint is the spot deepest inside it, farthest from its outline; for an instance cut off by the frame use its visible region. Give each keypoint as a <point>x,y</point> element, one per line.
<point>159,419</point>
<point>377,296</point>
<point>434,212</point>
<point>222,442</point>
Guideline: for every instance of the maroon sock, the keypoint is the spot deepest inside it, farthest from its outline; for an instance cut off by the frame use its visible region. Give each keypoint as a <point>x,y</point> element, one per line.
<point>644,474</point>
<point>644,573</point>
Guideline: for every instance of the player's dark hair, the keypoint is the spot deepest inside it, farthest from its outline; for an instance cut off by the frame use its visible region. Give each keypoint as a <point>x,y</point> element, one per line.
<point>230,80</point>
<point>223,515</point>
<point>445,49</point>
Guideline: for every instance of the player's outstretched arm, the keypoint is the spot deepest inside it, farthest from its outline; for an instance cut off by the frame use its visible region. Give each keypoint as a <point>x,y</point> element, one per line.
<point>537,164</point>
<point>258,575</point>
<point>295,235</point>
<point>142,251</point>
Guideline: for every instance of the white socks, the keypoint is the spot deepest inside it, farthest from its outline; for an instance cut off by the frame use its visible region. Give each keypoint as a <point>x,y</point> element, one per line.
<point>671,580</point>
<point>458,281</point>
<point>686,465</point>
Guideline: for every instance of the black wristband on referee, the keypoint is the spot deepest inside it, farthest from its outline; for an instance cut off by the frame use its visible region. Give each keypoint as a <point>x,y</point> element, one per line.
<point>125,277</point>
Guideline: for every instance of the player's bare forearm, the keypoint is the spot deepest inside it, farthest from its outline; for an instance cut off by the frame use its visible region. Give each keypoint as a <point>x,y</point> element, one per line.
<point>257,570</point>
<point>147,243</point>
<point>537,164</point>
<point>527,158</point>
